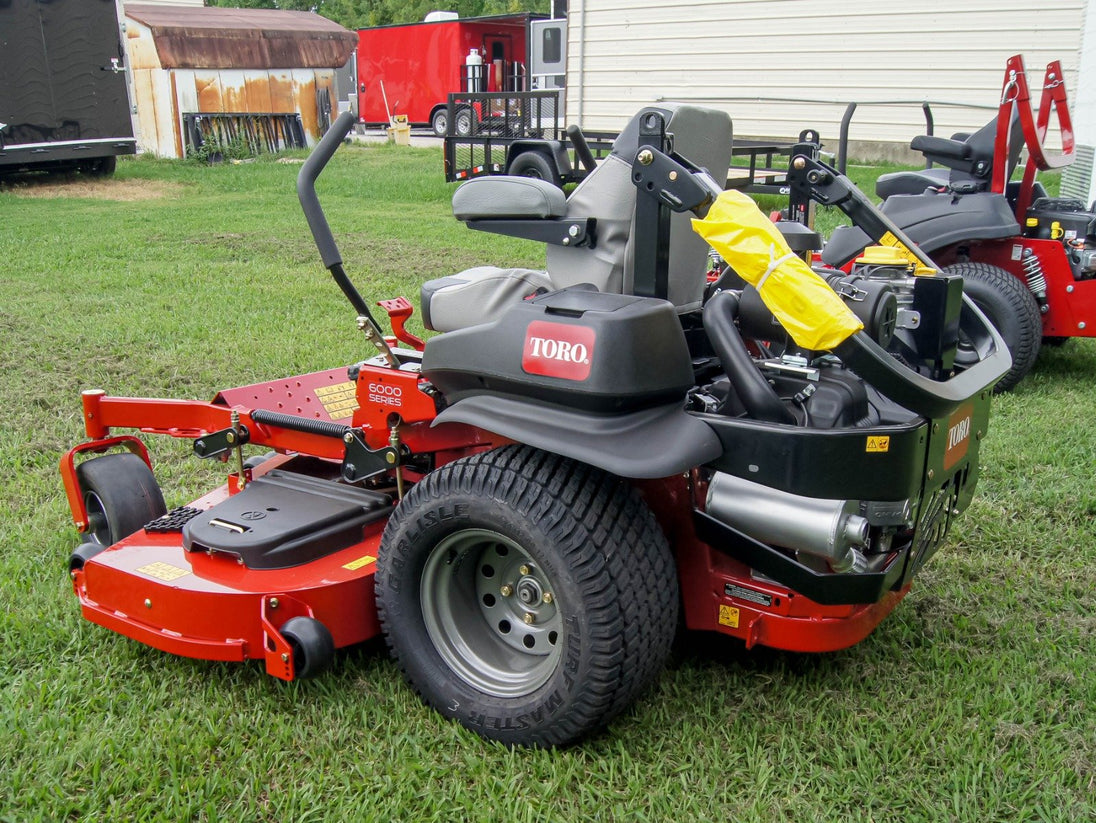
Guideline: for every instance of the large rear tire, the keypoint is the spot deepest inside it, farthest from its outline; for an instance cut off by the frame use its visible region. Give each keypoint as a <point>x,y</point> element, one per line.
<point>1011,308</point>
<point>530,597</point>
<point>533,164</point>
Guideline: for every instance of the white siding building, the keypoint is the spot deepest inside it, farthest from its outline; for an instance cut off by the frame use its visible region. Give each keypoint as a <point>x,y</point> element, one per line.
<point>778,66</point>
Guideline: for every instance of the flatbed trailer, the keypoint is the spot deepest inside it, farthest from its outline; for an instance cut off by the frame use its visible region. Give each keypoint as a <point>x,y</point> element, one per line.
<point>523,133</point>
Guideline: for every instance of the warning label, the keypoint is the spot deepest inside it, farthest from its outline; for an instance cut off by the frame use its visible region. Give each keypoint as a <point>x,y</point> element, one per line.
<point>163,571</point>
<point>338,400</point>
<point>760,598</point>
<point>878,444</point>
<point>361,562</point>
<point>728,616</point>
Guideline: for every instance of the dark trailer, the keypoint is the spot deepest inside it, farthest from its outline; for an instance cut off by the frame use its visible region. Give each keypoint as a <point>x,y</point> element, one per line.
<point>64,103</point>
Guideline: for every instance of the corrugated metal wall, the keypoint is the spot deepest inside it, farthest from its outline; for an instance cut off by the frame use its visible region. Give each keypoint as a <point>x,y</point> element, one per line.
<point>782,65</point>
<point>163,96</point>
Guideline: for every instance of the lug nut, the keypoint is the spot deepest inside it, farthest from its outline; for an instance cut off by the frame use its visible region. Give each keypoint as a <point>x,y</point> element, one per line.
<point>529,619</point>
<point>524,569</point>
<point>506,590</point>
<point>548,597</point>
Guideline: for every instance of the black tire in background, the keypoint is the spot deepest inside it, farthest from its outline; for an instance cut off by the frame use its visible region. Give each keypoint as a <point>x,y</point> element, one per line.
<point>464,123</point>
<point>530,597</point>
<point>533,164</point>
<point>1011,308</point>
<point>99,167</point>
<point>120,495</point>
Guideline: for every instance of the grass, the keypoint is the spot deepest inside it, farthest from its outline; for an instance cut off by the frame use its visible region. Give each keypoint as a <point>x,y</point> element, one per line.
<point>974,701</point>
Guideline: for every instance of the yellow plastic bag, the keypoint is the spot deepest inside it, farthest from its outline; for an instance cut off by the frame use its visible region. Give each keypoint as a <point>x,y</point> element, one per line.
<point>808,309</point>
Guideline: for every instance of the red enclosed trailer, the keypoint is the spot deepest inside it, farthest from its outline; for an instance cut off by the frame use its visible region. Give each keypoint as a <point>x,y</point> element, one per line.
<point>415,66</point>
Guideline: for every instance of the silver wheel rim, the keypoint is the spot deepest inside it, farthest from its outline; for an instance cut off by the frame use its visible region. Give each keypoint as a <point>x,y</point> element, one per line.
<point>491,613</point>
<point>98,525</point>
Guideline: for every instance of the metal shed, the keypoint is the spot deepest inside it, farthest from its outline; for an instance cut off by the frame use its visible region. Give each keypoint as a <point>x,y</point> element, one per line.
<point>217,73</point>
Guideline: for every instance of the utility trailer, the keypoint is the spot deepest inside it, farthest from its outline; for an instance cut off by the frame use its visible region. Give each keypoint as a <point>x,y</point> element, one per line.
<point>411,69</point>
<point>523,134</point>
<point>64,101</point>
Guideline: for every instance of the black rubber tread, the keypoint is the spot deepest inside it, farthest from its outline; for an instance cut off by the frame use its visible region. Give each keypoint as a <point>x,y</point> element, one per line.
<point>100,166</point>
<point>533,164</point>
<point>128,491</point>
<point>611,565</point>
<point>312,644</point>
<point>1011,307</point>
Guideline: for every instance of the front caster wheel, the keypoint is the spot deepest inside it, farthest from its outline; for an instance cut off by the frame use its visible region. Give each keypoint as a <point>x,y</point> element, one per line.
<point>312,645</point>
<point>529,597</point>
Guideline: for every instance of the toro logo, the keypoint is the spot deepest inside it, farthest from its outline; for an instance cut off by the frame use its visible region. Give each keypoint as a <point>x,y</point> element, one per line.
<point>958,435</point>
<point>558,350</point>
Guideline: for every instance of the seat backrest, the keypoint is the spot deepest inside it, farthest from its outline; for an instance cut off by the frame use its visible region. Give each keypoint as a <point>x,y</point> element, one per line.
<point>703,136</point>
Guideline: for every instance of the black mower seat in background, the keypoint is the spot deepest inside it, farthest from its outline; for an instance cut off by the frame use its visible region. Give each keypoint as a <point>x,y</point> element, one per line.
<point>967,158</point>
<point>608,195</point>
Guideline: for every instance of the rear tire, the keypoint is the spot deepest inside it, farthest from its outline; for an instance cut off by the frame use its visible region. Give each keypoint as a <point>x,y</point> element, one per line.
<point>464,122</point>
<point>120,495</point>
<point>529,597</point>
<point>1011,308</point>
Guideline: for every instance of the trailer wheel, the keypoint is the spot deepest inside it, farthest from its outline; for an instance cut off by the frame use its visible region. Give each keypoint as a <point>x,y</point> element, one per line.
<point>527,596</point>
<point>465,122</point>
<point>120,495</point>
<point>312,645</point>
<point>1011,308</point>
<point>533,164</point>
<point>439,122</point>
<point>99,167</point>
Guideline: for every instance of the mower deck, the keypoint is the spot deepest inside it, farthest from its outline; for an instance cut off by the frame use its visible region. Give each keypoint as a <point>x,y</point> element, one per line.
<point>210,605</point>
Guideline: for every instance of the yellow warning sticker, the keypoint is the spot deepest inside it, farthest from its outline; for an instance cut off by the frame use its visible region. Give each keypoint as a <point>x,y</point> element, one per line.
<point>354,565</point>
<point>163,571</point>
<point>889,239</point>
<point>338,399</point>
<point>728,616</point>
<point>878,445</point>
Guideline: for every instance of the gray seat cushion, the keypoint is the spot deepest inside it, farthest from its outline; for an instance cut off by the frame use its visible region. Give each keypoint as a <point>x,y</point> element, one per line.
<point>486,198</point>
<point>476,295</point>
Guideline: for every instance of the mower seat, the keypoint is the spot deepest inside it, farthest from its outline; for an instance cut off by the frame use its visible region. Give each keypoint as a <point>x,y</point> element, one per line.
<point>967,160</point>
<point>604,201</point>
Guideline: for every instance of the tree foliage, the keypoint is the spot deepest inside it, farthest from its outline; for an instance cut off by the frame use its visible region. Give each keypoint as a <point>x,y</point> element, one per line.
<point>356,14</point>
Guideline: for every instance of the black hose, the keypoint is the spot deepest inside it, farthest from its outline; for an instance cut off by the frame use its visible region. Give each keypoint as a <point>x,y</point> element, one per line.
<point>758,397</point>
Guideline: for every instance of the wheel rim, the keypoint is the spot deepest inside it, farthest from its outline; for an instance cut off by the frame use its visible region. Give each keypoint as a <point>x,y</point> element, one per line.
<point>491,613</point>
<point>441,124</point>
<point>464,123</point>
<point>98,525</point>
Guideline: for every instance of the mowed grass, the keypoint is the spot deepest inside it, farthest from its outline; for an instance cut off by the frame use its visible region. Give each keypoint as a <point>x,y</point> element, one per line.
<point>975,700</point>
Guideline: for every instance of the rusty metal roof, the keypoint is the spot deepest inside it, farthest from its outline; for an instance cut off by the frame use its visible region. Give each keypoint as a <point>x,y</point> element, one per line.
<point>189,37</point>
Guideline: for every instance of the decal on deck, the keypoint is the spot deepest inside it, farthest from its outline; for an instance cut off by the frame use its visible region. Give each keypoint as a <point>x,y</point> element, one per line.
<point>338,400</point>
<point>958,435</point>
<point>361,562</point>
<point>163,571</point>
<point>728,616</point>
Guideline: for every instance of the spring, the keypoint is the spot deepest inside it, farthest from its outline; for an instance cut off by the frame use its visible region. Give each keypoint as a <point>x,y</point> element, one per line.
<point>1033,271</point>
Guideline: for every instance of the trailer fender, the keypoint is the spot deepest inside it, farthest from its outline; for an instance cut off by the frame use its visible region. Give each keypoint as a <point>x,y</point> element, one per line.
<point>651,443</point>
<point>522,156</point>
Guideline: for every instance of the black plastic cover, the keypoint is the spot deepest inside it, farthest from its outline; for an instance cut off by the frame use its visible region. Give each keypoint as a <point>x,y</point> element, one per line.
<point>576,348</point>
<point>932,221</point>
<point>284,519</point>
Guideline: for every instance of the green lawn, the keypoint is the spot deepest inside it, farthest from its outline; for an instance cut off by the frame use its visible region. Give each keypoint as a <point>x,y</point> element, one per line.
<point>975,700</point>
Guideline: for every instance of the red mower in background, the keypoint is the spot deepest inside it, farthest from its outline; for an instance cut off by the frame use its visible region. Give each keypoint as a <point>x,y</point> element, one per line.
<point>524,504</point>
<point>1027,260</point>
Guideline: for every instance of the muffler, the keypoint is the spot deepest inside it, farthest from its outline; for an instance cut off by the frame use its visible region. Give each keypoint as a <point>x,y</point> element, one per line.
<point>830,529</point>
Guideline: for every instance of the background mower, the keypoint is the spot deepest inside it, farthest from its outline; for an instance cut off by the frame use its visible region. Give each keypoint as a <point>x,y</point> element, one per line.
<point>1027,260</point>
<point>529,504</point>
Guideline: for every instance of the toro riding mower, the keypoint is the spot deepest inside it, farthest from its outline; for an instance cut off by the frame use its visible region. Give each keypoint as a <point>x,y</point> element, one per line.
<point>1028,260</point>
<point>529,504</point>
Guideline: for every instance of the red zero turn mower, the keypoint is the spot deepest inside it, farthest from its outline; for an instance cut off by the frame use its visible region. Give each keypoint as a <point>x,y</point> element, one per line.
<point>1028,260</point>
<point>525,504</point>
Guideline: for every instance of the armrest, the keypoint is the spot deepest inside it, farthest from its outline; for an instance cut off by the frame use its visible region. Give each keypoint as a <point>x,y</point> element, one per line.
<point>940,147</point>
<point>521,198</point>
